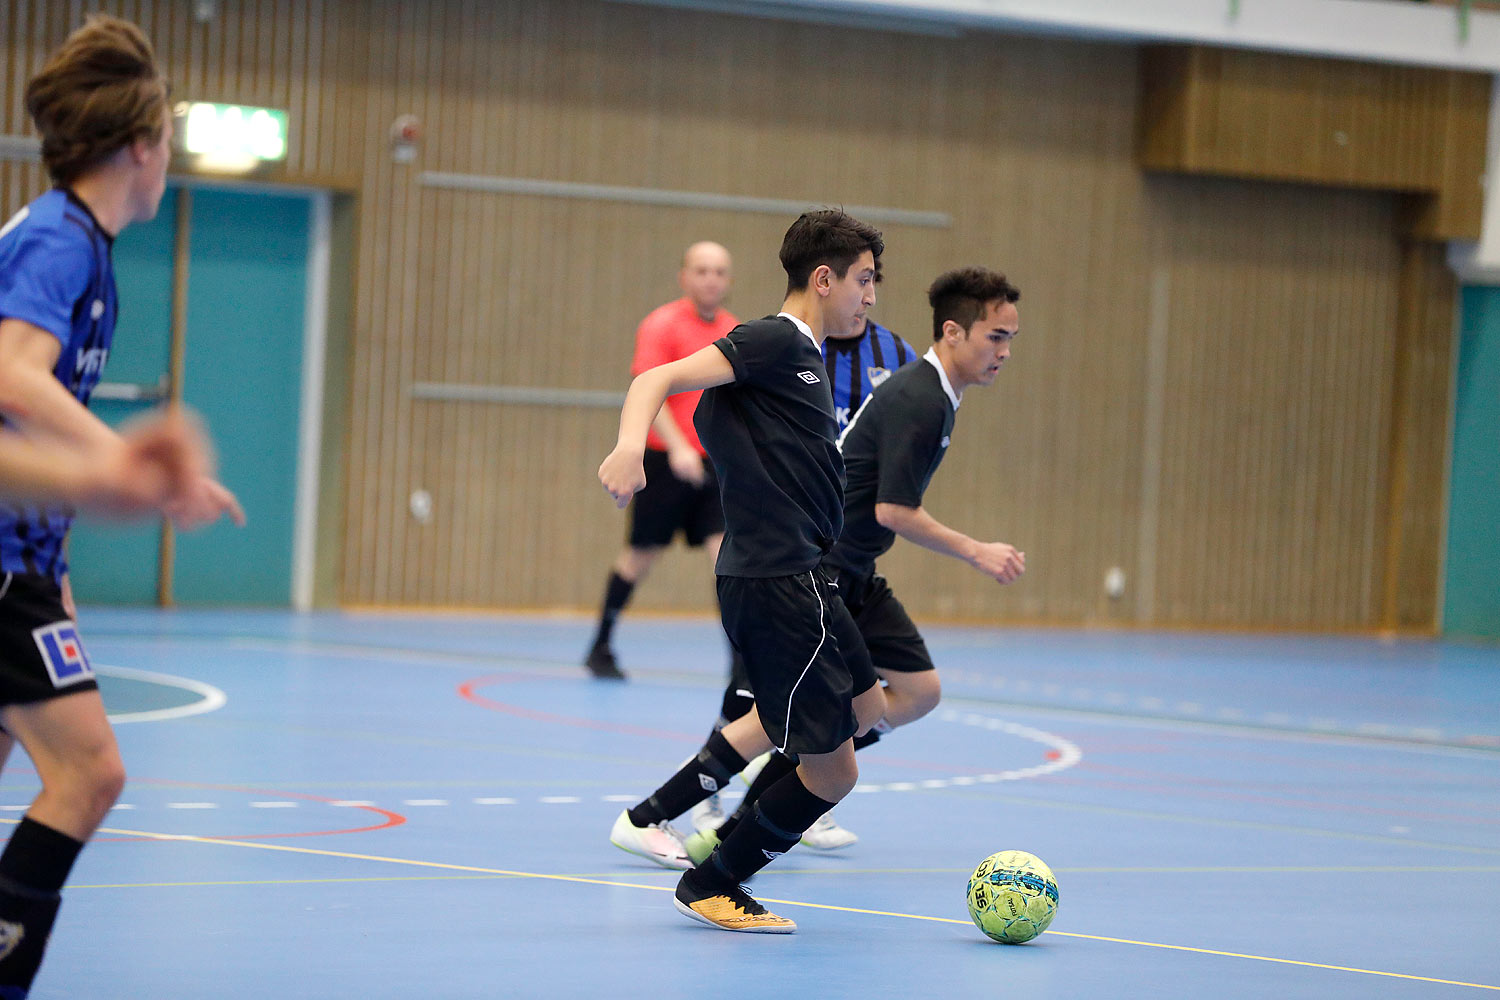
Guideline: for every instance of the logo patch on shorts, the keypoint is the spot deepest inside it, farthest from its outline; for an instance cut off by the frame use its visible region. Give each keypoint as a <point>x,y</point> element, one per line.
<point>62,652</point>
<point>810,378</point>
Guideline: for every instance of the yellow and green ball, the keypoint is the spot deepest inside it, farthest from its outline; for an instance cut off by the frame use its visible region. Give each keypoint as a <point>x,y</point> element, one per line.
<point>1012,896</point>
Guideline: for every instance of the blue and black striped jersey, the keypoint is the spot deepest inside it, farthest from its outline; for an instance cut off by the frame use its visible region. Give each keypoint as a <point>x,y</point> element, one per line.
<point>56,274</point>
<point>857,365</point>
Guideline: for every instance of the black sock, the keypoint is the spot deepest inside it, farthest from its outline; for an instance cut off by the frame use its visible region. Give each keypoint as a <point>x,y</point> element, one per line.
<point>777,767</point>
<point>771,828</point>
<point>38,857</point>
<point>616,595</point>
<point>860,742</point>
<point>33,867</point>
<point>710,770</point>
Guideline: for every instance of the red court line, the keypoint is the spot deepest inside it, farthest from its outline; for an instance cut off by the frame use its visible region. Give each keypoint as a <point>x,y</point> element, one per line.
<point>390,819</point>
<point>469,691</point>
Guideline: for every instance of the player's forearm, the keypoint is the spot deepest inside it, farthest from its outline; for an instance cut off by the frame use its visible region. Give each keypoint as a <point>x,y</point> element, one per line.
<point>666,426</point>
<point>643,406</point>
<point>37,402</point>
<point>916,525</point>
<point>31,474</point>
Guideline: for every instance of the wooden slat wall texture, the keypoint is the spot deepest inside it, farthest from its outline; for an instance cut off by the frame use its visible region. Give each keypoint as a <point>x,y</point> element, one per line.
<point>1281,117</point>
<point>1266,313</point>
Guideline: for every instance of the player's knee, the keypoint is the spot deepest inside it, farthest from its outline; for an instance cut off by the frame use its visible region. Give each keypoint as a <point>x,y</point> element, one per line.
<point>869,708</point>
<point>928,693</point>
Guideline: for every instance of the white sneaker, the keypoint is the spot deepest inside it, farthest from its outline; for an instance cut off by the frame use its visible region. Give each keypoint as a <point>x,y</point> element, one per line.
<point>754,767</point>
<point>827,835</point>
<point>708,814</point>
<point>657,842</point>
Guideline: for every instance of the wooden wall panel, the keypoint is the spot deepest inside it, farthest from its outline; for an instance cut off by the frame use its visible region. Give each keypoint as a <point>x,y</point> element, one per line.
<point>1272,308</point>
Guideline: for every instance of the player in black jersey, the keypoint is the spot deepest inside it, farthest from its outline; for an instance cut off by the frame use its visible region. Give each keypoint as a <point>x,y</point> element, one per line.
<point>767,422</point>
<point>891,448</point>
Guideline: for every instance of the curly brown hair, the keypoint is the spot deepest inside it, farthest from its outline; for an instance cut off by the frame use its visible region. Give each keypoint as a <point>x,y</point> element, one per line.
<point>99,92</point>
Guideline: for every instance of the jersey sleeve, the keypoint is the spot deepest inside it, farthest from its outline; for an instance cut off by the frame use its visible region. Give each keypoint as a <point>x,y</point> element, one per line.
<point>907,442</point>
<point>42,279</point>
<point>653,346</point>
<point>753,349</point>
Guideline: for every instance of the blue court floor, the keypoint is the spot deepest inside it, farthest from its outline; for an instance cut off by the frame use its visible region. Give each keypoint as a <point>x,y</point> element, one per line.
<point>373,806</point>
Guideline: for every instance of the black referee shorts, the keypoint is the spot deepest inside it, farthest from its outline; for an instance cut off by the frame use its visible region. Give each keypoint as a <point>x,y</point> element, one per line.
<point>888,631</point>
<point>803,656</point>
<point>41,656</point>
<point>668,505</point>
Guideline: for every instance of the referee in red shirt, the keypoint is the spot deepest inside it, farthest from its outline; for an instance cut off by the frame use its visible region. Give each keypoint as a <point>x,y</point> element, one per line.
<point>681,491</point>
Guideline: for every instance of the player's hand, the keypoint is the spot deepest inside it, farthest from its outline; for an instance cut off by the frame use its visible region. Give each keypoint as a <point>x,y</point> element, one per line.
<point>1002,563</point>
<point>623,475</point>
<point>204,501</point>
<point>150,463</point>
<point>687,465</point>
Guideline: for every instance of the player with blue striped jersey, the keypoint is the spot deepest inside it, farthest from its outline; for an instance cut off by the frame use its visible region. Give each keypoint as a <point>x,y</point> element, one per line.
<point>858,363</point>
<point>100,105</point>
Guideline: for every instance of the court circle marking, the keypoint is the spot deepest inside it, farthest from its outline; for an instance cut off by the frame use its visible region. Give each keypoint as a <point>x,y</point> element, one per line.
<point>1061,753</point>
<point>210,699</point>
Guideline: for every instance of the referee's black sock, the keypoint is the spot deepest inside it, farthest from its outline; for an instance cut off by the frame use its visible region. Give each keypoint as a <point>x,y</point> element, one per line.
<point>616,595</point>
<point>768,831</point>
<point>33,867</point>
<point>778,766</point>
<point>709,770</point>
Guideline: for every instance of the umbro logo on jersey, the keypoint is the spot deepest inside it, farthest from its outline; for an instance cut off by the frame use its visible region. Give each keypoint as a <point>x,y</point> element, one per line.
<point>708,783</point>
<point>877,375</point>
<point>810,378</point>
<point>10,936</point>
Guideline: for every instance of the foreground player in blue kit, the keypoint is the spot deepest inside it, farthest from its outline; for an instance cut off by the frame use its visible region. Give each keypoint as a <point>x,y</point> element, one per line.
<point>100,105</point>
<point>767,423</point>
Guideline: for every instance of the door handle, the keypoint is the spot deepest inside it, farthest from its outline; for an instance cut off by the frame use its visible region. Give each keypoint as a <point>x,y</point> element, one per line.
<point>133,392</point>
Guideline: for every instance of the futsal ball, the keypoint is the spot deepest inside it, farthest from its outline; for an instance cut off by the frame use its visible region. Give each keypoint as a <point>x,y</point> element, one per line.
<point>1012,896</point>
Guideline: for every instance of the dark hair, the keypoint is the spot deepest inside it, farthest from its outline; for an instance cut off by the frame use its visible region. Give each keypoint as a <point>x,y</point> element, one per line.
<point>99,92</point>
<point>828,236</point>
<point>964,294</point>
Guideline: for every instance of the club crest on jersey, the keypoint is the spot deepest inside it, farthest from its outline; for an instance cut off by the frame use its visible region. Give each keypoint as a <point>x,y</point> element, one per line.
<point>877,375</point>
<point>62,652</point>
<point>810,378</point>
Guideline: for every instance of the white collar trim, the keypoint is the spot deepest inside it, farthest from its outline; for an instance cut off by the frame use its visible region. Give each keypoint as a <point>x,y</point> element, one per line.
<point>806,330</point>
<point>931,358</point>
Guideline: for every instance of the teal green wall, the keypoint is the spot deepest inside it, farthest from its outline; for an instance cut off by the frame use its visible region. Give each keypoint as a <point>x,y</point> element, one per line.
<point>1472,597</point>
<point>247,282</point>
<point>243,373</point>
<point>117,563</point>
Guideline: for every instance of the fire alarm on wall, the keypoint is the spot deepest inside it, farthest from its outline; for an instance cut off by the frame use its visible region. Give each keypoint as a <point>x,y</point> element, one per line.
<point>406,133</point>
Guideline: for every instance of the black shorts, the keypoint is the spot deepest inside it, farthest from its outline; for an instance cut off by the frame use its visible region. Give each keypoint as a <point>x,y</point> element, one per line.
<point>668,505</point>
<point>41,655</point>
<point>888,631</point>
<point>803,656</point>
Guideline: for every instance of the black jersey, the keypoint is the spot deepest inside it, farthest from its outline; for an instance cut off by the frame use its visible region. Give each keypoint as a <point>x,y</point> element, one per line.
<point>891,449</point>
<point>772,439</point>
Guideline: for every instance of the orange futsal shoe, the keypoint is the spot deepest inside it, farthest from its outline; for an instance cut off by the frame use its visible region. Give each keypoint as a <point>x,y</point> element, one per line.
<point>731,909</point>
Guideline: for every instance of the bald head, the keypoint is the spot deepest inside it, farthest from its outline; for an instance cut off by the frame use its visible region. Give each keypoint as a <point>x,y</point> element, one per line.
<point>705,276</point>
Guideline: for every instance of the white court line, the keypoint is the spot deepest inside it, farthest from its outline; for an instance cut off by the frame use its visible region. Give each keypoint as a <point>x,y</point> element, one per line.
<point>211,698</point>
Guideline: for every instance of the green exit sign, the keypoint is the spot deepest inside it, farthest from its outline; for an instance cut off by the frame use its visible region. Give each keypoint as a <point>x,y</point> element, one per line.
<point>230,136</point>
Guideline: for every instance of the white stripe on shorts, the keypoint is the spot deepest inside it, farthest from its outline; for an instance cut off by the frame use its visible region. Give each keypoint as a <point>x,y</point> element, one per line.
<point>822,638</point>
